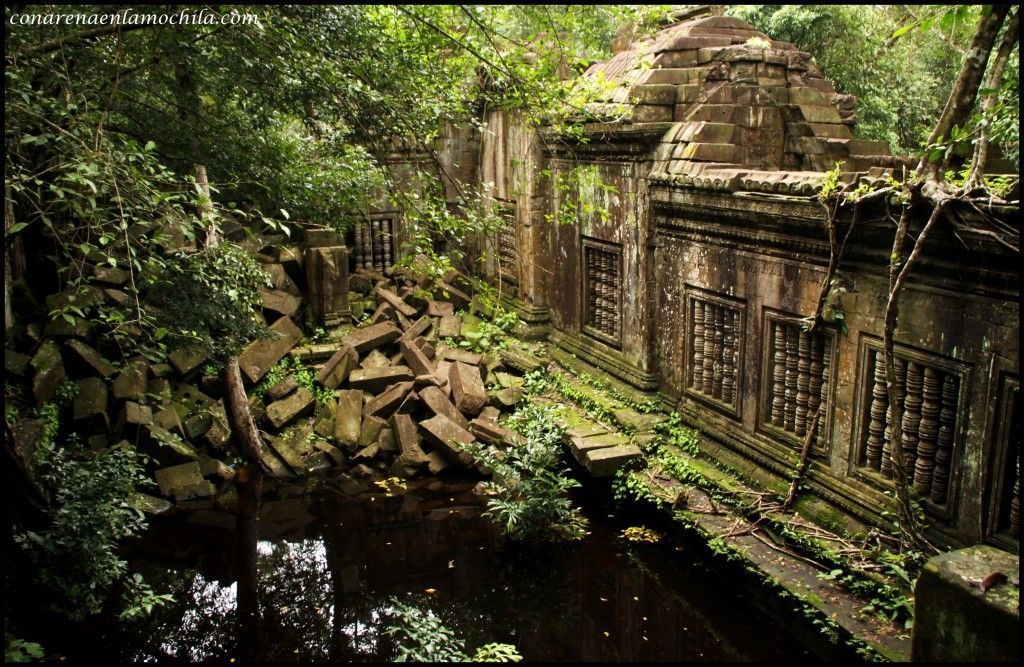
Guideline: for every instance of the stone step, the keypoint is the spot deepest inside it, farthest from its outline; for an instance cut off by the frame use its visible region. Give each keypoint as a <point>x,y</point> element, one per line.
<point>603,462</point>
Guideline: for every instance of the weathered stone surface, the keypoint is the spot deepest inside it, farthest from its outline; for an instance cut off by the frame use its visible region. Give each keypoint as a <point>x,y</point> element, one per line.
<point>440,308</point>
<point>388,401</point>
<point>133,417</point>
<point>371,428</point>
<point>490,412</point>
<point>366,453</point>
<point>90,405</point>
<point>955,620</point>
<point>637,421</point>
<point>439,404</point>
<point>165,448</point>
<point>450,326</point>
<point>274,465</point>
<point>386,440</point>
<point>282,388</point>
<point>110,275</point>
<point>396,302</point>
<point>285,411</point>
<point>133,381</point>
<point>48,372</point>
<point>174,477</point>
<point>467,388</point>
<point>415,358</point>
<point>61,328</point>
<point>580,446</point>
<point>185,361</point>
<point>605,461</point>
<point>376,380</point>
<point>26,433</point>
<point>280,279</point>
<point>442,432</point>
<point>373,336</point>
<point>261,355</point>
<point>426,346</point>
<point>286,451</point>
<point>348,419</point>
<point>280,302</point>
<point>337,369</point>
<point>324,426</point>
<point>87,360</point>
<point>211,467</point>
<point>458,298</point>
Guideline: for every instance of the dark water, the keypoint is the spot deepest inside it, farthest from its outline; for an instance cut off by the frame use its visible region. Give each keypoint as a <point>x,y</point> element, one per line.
<point>327,567</point>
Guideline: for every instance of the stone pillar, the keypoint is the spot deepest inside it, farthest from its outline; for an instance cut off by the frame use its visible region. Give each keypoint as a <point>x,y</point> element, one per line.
<point>956,619</point>
<point>327,277</point>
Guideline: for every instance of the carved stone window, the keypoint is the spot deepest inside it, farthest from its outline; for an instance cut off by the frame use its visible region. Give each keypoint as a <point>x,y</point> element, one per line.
<point>797,381</point>
<point>713,351</point>
<point>508,244</point>
<point>928,398</point>
<point>374,243</point>
<point>1004,491</point>
<point>602,290</point>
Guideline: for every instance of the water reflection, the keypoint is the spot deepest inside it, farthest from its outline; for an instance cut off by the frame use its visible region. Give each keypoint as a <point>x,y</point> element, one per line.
<point>309,579</point>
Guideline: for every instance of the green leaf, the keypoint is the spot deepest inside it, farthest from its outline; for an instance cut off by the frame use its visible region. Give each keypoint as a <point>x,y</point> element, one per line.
<point>16,227</point>
<point>150,145</point>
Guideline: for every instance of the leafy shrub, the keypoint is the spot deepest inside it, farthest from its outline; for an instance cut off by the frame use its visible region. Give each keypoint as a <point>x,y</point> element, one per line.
<point>421,636</point>
<point>529,490</point>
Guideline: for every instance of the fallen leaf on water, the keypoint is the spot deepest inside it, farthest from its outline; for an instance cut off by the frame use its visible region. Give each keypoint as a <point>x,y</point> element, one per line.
<point>451,564</point>
<point>604,599</point>
<point>430,591</point>
<point>606,634</point>
<point>636,599</point>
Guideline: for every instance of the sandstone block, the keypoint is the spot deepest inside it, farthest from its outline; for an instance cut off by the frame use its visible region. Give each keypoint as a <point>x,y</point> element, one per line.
<point>90,405</point>
<point>371,428</point>
<point>174,477</point>
<point>450,326</point>
<point>280,302</point>
<point>285,411</point>
<point>261,355</point>
<point>439,404</point>
<point>47,372</point>
<point>415,358</point>
<point>388,401</point>
<point>133,381</point>
<point>395,301</point>
<point>349,416</point>
<point>443,433</point>
<point>373,336</point>
<point>87,360</point>
<point>376,380</point>
<point>440,308</point>
<point>467,388</point>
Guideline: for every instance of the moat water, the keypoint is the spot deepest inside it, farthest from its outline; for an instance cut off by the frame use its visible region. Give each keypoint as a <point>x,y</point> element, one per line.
<point>327,567</point>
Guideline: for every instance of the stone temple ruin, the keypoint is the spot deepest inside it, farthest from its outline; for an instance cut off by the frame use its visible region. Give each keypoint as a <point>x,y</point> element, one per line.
<point>693,247</point>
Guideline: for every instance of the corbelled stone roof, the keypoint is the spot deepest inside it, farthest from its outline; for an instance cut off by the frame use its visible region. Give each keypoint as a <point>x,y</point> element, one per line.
<point>747,111</point>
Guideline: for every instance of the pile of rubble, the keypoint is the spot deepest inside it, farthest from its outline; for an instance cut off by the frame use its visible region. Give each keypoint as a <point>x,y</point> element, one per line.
<point>401,394</point>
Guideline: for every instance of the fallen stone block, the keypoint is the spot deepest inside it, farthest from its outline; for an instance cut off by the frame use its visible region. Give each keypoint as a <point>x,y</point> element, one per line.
<point>436,463</point>
<point>439,404</point>
<point>203,489</point>
<point>48,372</point>
<point>77,328</point>
<point>440,308</point>
<point>458,298</point>
<point>110,275</point>
<point>133,382</point>
<point>185,474</point>
<point>415,358</point>
<point>185,361</point>
<point>468,391</point>
<point>16,363</point>
<point>429,381</point>
<point>406,434</point>
<point>332,452</point>
<point>636,420</point>
<point>25,434</point>
<point>324,425</point>
<point>395,301</point>
<point>508,398</point>
<point>90,406</point>
<point>371,428</point>
<point>273,464</point>
<point>286,411</point>
<point>427,347</point>
<point>376,380</point>
<point>580,446</point>
<point>280,279</point>
<point>384,314</point>
<point>375,359</point>
<point>337,369</point>
<point>388,401</point>
<point>490,412</point>
<point>386,440</point>
<point>261,355</point>
<point>605,461</point>
<point>450,326</point>
<point>349,417</point>
<point>367,453</point>
<point>282,388</point>
<point>132,419</point>
<point>328,283</point>
<point>286,451</point>
<point>165,448</point>
<point>457,354</point>
<point>373,336</point>
<point>85,360</point>
<point>493,433</point>
<point>210,467</point>
<point>417,328</point>
<point>442,433</point>
<point>280,302</point>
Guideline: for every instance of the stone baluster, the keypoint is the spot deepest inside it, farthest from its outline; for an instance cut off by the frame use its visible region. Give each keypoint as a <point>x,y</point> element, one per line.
<point>363,257</point>
<point>928,432</point>
<point>716,387</point>
<point>803,382</point>
<point>1015,505</point>
<point>822,392</point>
<point>789,409</point>
<point>386,236</point>
<point>944,441</point>
<point>892,412</point>
<point>709,347</point>
<point>778,373</point>
<point>378,256</point>
<point>697,354</point>
<point>729,358</point>
<point>877,427</point>
<point>816,381</point>
<point>912,415</point>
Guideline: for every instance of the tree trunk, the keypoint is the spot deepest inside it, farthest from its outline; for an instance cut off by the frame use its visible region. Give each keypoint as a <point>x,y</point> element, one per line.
<point>961,100</point>
<point>993,81</point>
<point>236,404</point>
<point>250,486</point>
